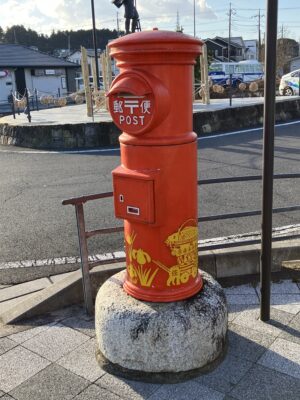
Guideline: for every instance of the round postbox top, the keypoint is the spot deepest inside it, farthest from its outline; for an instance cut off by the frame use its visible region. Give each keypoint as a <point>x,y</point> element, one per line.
<point>155,47</point>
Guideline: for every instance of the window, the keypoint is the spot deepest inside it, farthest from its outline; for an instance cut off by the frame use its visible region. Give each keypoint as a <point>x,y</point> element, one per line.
<point>214,67</point>
<point>295,74</point>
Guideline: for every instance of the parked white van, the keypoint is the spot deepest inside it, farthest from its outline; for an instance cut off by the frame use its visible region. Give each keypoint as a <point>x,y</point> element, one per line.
<point>289,84</point>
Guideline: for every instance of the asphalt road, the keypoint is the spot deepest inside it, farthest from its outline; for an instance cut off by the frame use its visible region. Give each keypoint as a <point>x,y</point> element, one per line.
<point>35,225</point>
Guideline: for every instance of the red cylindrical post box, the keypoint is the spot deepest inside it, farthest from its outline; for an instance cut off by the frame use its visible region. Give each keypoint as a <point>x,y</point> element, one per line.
<point>155,187</point>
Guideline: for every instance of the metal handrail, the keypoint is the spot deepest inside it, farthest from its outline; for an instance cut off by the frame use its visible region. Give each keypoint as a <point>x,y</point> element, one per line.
<point>83,235</point>
<point>245,178</point>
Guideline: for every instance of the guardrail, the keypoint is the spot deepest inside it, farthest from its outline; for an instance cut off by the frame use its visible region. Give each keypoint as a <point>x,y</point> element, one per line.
<point>83,235</point>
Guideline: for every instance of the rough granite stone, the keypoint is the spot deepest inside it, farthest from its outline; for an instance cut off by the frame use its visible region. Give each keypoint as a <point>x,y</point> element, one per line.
<point>160,337</point>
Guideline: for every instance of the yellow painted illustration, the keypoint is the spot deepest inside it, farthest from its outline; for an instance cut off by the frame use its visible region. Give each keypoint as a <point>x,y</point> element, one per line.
<point>183,245</point>
<point>138,273</point>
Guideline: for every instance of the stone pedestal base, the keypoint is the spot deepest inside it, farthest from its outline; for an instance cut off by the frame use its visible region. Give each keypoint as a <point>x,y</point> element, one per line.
<point>160,342</point>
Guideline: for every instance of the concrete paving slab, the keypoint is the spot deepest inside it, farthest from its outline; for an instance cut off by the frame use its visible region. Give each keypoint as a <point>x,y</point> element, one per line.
<point>239,290</point>
<point>283,356</point>
<point>25,325</point>
<point>94,392</point>
<point>6,344</point>
<point>250,318</point>
<point>23,336</point>
<point>7,397</point>
<point>286,302</point>
<point>7,305</point>
<point>77,311</point>
<point>235,309</point>
<point>59,277</point>
<point>262,361</point>
<point>246,299</point>
<point>127,389</point>
<point>53,383</point>
<point>285,287</point>
<point>261,383</point>
<point>18,365</point>
<point>82,361</point>
<point>190,390</point>
<point>226,375</point>
<point>55,342</point>
<point>292,331</point>
<point>74,114</point>
<point>23,288</point>
<point>247,343</point>
<point>65,292</point>
<point>86,326</point>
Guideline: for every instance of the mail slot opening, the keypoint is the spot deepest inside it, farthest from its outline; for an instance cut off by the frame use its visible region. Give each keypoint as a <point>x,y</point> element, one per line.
<point>133,210</point>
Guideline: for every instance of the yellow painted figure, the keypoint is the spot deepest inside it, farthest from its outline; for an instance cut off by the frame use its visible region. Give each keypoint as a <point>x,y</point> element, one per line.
<point>183,245</point>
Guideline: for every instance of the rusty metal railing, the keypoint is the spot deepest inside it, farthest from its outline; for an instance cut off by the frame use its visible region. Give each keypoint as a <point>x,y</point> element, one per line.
<point>83,235</point>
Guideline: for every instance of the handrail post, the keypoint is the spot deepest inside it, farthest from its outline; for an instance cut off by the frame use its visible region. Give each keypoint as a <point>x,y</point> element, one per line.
<point>268,159</point>
<point>86,280</point>
<point>13,105</point>
<point>28,105</point>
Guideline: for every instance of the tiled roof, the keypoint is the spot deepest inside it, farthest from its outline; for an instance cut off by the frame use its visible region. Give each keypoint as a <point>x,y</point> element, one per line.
<point>14,55</point>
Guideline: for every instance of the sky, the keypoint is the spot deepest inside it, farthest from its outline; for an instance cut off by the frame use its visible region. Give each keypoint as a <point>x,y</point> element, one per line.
<point>211,16</point>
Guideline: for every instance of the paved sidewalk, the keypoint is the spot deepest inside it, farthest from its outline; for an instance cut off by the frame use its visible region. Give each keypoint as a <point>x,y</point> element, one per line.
<point>53,356</point>
<point>75,114</point>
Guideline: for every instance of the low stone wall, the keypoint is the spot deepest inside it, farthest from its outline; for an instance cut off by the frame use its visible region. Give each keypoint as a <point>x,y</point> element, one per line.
<point>67,136</point>
<point>243,117</point>
<point>91,135</point>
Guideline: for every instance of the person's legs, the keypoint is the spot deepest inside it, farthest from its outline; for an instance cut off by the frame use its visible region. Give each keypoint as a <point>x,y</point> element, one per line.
<point>134,24</point>
<point>127,26</point>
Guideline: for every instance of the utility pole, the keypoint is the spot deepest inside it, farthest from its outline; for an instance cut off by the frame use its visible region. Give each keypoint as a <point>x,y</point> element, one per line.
<point>259,35</point>
<point>194,18</point>
<point>96,84</point>
<point>178,27</point>
<point>118,26</point>
<point>268,158</point>
<point>231,12</point>
<point>69,43</point>
<point>259,16</point>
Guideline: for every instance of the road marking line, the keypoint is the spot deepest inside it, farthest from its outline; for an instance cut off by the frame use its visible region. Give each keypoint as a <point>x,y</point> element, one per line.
<point>116,149</point>
<point>120,255</point>
<point>246,131</point>
<point>114,257</point>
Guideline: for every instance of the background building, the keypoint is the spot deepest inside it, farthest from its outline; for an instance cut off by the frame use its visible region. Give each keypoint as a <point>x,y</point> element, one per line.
<point>22,67</point>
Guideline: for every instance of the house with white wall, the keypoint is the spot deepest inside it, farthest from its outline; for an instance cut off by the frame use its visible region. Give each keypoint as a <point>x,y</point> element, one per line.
<point>22,67</point>
<point>251,52</point>
<point>75,57</point>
